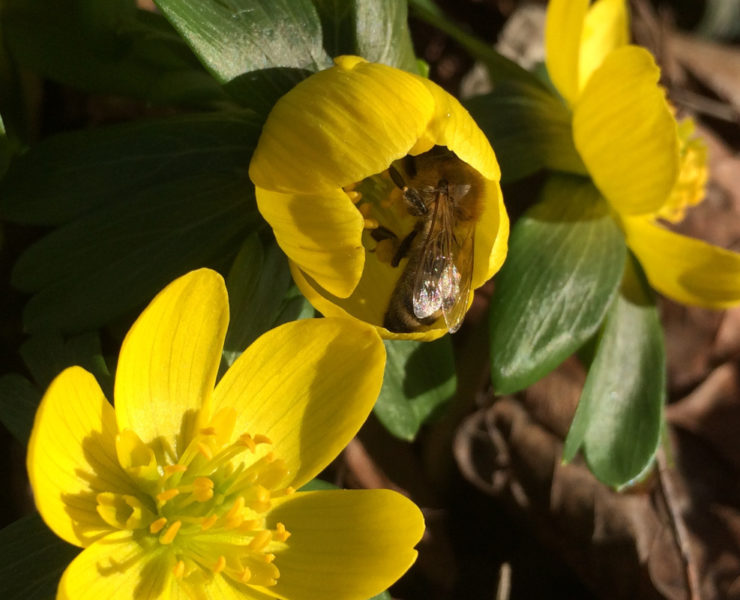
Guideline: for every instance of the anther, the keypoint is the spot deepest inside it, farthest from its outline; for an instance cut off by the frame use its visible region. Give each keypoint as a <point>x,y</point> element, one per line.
<point>166,495</point>
<point>281,534</point>
<point>371,224</point>
<point>208,522</point>
<point>245,575</point>
<point>262,439</point>
<point>220,564</point>
<point>156,526</point>
<point>169,535</point>
<point>179,569</point>
<point>354,196</point>
<point>170,470</point>
<point>203,489</point>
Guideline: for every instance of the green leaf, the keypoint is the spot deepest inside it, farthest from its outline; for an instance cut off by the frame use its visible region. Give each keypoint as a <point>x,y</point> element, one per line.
<point>107,47</point>
<point>620,413</point>
<point>565,261</point>
<point>384,596</point>
<point>257,282</point>
<point>32,560</point>
<point>19,399</point>
<point>71,175</point>
<point>499,67</point>
<point>374,29</point>
<point>419,379</point>
<point>529,128</point>
<point>317,485</point>
<point>46,355</point>
<point>260,48</point>
<point>148,203</point>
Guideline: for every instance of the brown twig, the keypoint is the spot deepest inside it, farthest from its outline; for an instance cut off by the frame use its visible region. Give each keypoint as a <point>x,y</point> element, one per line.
<point>678,527</point>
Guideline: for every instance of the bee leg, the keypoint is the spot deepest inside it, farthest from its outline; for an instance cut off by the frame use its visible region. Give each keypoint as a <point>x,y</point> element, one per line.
<point>405,245</point>
<point>382,233</point>
<point>414,202</point>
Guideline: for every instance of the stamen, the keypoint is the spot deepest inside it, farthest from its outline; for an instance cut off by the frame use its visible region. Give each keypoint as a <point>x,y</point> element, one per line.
<point>371,224</point>
<point>220,564</point>
<point>167,495</point>
<point>170,470</point>
<point>203,489</point>
<point>245,575</point>
<point>179,569</point>
<point>157,525</point>
<point>208,430</point>
<point>260,540</point>
<point>262,439</point>
<point>208,522</point>
<point>234,517</point>
<point>354,196</point>
<point>169,535</point>
<point>281,534</point>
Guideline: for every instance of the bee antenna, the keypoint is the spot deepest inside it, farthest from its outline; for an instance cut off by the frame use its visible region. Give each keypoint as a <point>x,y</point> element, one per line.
<point>397,177</point>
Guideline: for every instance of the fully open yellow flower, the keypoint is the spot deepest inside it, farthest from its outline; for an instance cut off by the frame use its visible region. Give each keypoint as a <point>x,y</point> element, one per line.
<point>646,165</point>
<point>321,173</point>
<point>186,491</point>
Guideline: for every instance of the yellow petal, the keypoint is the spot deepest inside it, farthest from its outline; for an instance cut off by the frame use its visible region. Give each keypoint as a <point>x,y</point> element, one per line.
<point>72,457</point>
<point>117,567</point>
<point>345,545</point>
<point>491,236</point>
<point>563,32</point>
<point>170,358</point>
<point>339,126</point>
<point>368,303</point>
<point>452,126</point>
<point>625,132</point>
<point>606,28</point>
<point>685,269</point>
<point>308,385</point>
<point>319,231</point>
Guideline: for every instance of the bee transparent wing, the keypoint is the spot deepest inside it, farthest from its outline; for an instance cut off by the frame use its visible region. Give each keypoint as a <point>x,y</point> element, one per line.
<point>462,258</point>
<point>443,279</point>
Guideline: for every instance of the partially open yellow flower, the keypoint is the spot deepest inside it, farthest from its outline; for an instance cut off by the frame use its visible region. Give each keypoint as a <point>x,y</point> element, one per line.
<point>186,491</point>
<point>646,165</point>
<point>321,169</point>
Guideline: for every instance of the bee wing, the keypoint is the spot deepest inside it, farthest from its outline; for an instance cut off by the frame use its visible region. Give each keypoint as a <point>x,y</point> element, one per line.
<point>443,279</point>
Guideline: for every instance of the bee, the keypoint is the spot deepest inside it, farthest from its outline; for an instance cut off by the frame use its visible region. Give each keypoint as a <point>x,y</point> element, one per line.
<point>446,197</point>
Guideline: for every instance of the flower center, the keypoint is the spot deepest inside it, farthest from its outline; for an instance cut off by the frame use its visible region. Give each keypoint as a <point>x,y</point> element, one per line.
<point>207,509</point>
<point>692,177</point>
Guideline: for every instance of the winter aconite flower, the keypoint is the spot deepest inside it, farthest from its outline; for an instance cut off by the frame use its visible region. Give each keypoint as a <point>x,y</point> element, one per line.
<point>184,490</point>
<point>648,167</point>
<point>330,166</point>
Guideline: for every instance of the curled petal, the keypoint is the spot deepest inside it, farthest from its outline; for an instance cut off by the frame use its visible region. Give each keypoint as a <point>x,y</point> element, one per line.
<point>72,457</point>
<point>685,269</point>
<point>625,132</point>
<point>339,126</point>
<point>321,232</point>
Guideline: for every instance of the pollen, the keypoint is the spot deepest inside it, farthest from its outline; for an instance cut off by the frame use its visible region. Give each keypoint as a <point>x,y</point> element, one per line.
<point>158,525</point>
<point>220,487</point>
<point>169,536</point>
<point>179,569</point>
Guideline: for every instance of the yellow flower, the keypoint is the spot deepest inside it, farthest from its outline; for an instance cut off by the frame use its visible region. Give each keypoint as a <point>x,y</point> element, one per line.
<point>321,169</point>
<point>186,491</point>
<point>646,165</point>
